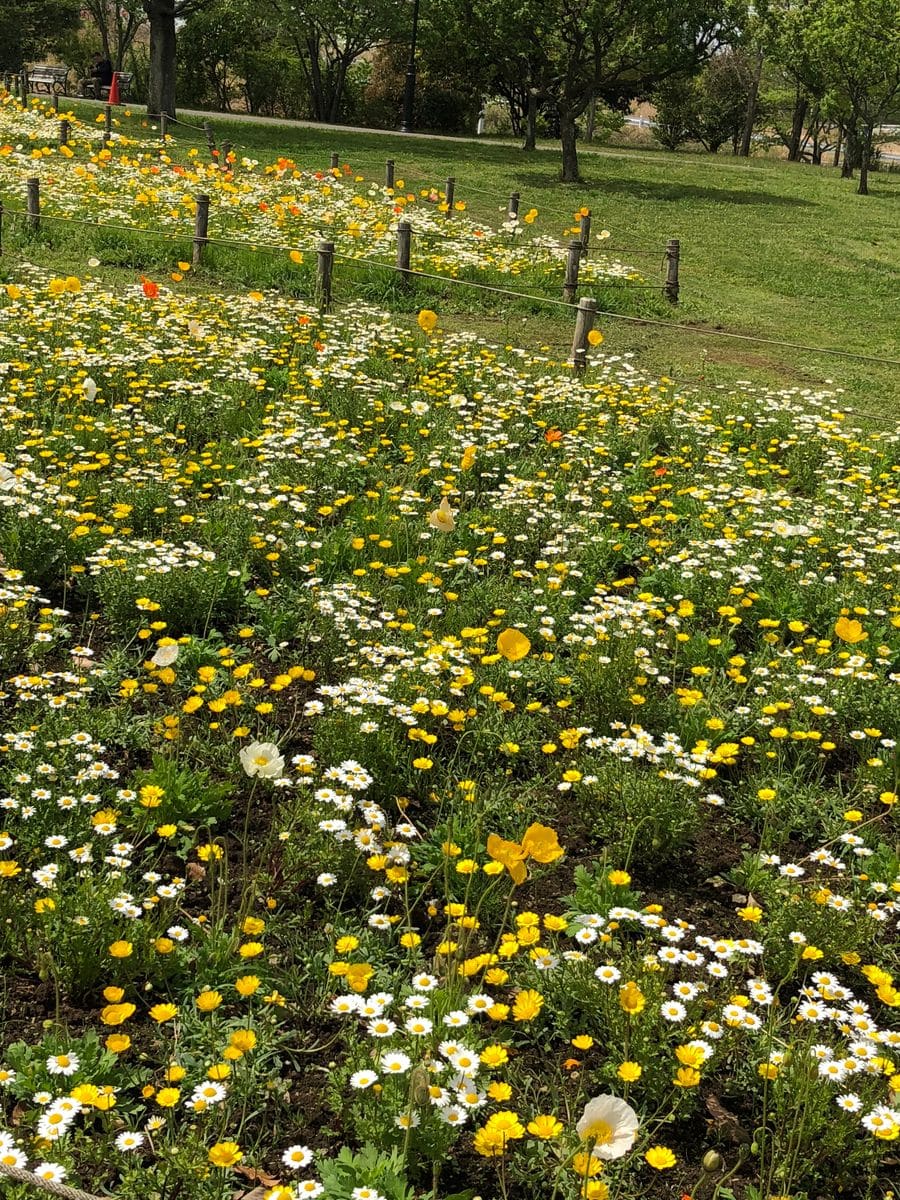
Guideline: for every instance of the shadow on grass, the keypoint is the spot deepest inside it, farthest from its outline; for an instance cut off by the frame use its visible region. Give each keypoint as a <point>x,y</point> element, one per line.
<point>647,189</point>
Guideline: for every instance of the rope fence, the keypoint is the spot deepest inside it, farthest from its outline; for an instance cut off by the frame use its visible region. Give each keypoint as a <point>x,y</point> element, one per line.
<point>19,1175</point>
<point>403,265</point>
<point>326,258</point>
<point>33,216</point>
<point>511,206</point>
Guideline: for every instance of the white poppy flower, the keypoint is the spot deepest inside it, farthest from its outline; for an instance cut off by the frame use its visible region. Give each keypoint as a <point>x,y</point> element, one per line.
<point>609,1125</point>
<point>165,655</point>
<point>263,759</point>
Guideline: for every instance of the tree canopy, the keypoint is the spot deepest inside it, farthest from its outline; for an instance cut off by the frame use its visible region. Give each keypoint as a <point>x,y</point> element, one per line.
<point>29,28</point>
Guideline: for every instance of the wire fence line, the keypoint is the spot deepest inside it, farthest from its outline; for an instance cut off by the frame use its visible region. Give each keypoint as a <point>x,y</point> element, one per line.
<point>409,273</point>
<point>876,418</point>
<point>253,244</point>
<point>206,130</point>
<point>513,293</point>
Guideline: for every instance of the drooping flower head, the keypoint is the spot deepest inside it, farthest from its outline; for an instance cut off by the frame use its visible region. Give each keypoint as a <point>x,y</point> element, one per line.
<point>442,517</point>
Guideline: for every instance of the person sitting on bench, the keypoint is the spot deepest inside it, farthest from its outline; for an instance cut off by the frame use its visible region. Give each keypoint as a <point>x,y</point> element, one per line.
<point>100,76</point>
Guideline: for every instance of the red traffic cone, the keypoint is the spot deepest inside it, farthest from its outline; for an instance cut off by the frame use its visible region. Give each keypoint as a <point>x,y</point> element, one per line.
<point>114,89</point>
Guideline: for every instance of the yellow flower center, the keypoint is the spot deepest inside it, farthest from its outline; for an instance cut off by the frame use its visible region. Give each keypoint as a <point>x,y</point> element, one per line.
<point>600,1133</point>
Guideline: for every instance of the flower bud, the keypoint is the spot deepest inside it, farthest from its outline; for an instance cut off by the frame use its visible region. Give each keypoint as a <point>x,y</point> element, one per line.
<point>712,1161</point>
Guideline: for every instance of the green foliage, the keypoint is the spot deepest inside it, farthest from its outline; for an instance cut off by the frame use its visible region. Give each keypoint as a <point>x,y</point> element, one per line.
<point>232,53</point>
<point>370,1167</point>
<point>116,26</point>
<point>709,108</point>
<point>328,37</point>
<point>446,99</point>
<point>29,28</point>
<point>846,54</point>
<point>572,54</point>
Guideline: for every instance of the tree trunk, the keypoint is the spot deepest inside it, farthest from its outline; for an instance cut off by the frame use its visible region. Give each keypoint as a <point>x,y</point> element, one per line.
<point>590,119</point>
<point>161,90</point>
<point>752,104</point>
<point>851,154</point>
<point>865,154</point>
<point>316,90</point>
<point>531,121</point>
<point>338,85</point>
<point>801,105</point>
<point>569,147</point>
<point>837,146</point>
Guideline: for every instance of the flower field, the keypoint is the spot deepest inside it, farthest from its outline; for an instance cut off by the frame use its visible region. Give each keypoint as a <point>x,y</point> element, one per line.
<point>130,183</point>
<point>425,772</point>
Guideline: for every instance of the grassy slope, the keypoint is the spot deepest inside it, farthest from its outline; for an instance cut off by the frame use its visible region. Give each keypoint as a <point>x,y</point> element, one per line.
<point>769,248</point>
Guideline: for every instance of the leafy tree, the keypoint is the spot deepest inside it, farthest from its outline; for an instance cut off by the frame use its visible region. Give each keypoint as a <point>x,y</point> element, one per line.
<point>799,120</point>
<point>117,23</point>
<point>858,44</point>
<point>572,52</point>
<point>230,51</point>
<point>710,108</point>
<point>847,54</point>
<point>786,43</point>
<point>29,28</point>
<point>676,105</point>
<point>445,99</point>
<point>328,37</point>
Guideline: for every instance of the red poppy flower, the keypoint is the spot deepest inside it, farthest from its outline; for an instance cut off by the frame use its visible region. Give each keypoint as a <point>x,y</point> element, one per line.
<point>151,289</point>
<point>553,435</point>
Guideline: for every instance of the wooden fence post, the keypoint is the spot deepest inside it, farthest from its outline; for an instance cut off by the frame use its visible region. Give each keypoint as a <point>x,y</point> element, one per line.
<point>64,132</point>
<point>584,323</point>
<point>163,127</point>
<point>34,204</point>
<point>324,272</point>
<point>223,157</point>
<point>514,204</point>
<point>107,117</point>
<point>389,173</point>
<point>55,102</point>
<point>573,262</point>
<point>210,138</point>
<point>673,255</point>
<point>201,227</point>
<point>23,85</point>
<point>404,250</point>
<point>584,233</point>
<point>335,160</point>
<point>451,187</point>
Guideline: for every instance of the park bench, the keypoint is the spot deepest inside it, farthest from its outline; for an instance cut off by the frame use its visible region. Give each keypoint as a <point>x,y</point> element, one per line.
<point>51,80</point>
<point>91,89</point>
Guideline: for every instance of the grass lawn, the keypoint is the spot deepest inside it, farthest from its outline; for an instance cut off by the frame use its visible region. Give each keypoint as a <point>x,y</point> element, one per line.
<point>768,248</point>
